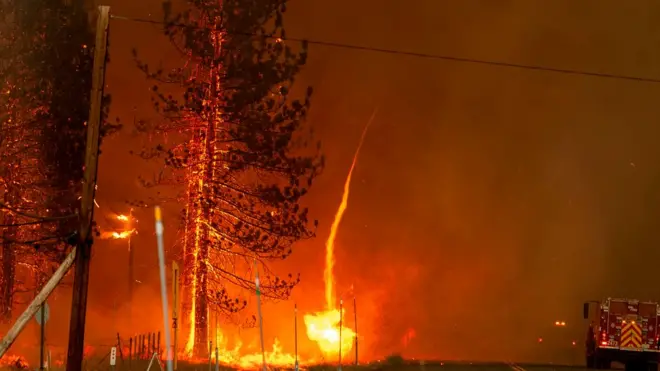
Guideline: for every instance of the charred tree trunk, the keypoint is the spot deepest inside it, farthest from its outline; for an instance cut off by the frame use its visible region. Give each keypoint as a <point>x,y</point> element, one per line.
<point>8,257</point>
<point>8,272</point>
<point>201,308</point>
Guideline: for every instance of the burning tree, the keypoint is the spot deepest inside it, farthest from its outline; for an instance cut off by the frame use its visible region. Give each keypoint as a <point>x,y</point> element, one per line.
<point>45,82</point>
<point>17,159</point>
<point>243,161</point>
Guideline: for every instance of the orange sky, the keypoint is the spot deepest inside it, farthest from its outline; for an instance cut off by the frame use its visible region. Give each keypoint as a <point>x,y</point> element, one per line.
<point>487,202</point>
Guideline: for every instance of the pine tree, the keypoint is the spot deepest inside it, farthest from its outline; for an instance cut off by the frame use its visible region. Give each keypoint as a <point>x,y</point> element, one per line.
<point>244,162</point>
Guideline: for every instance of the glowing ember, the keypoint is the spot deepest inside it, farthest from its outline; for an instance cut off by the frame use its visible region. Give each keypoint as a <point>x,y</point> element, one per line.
<point>123,218</point>
<point>12,361</point>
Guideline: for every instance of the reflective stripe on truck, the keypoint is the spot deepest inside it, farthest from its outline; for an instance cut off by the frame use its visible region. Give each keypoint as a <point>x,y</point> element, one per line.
<point>631,335</point>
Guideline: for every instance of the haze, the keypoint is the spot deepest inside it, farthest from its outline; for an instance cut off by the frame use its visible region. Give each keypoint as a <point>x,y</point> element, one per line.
<point>487,202</point>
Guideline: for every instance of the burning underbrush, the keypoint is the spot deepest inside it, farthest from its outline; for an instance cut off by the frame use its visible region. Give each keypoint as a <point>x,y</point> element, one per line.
<point>98,361</point>
<point>275,362</point>
<point>15,362</point>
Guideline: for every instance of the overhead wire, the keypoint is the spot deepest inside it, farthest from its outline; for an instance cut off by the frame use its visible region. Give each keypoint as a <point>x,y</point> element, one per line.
<point>32,222</point>
<point>449,58</point>
<point>41,241</point>
<point>32,216</point>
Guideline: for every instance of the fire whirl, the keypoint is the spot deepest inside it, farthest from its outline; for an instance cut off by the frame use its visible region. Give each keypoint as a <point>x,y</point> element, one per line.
<point>324,327</point>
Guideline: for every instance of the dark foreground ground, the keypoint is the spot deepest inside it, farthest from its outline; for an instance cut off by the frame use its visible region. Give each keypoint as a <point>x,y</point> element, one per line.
<point>451,366</point>
<point>389,365</point>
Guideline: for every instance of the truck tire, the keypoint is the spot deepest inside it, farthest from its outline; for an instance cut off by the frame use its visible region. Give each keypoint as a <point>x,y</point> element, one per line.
<point>603,363</point>
<point>636,366</point>
<point>591,361</point>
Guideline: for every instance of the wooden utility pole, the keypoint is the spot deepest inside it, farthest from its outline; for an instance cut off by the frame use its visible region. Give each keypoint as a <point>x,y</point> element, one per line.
<point>42,340</point>
<point>356,331</point>
<point>81,275</point>
<point>175,312</point>
<point>131,269</point>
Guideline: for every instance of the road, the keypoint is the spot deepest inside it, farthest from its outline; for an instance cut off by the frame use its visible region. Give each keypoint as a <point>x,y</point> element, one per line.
<point>466,366</point>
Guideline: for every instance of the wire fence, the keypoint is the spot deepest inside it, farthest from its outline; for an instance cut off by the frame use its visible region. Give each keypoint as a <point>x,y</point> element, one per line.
<point>137,352</point>
<point>142,347</point>
<point>131,353</point>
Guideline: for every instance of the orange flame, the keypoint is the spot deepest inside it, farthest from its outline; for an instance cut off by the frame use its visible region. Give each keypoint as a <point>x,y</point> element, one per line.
<point>323,328</point>
<point>407,337</point>
<point>122,235</point>
<point>13,361</point>
<point>236,357</point>
<point>117,235</point>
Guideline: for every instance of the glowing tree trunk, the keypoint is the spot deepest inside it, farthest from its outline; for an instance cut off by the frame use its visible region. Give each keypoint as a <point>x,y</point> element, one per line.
<point>201,191</point>
<point>201,289</point>
<point>196,248</point>
<point>193,240</point>
<point>206,174</point>
<point>201,309</point>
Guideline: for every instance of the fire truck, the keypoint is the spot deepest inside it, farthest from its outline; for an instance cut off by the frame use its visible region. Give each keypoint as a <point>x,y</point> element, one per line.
<point>623,331</point>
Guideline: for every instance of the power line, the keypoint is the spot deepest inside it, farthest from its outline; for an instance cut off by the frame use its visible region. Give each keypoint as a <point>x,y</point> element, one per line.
<point>448,58</point>
<point>33,222</point>
<point>48,240</point>
<point>4,206</point>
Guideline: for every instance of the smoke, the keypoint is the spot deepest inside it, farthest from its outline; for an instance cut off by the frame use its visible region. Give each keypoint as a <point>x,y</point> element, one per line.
<point>488,204</point>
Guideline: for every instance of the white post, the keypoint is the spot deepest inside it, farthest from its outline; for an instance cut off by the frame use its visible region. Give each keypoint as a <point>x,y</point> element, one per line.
<point>217,361</point>
<point>113,358</point>
<point>261,321</point>
<point>341,315</point>
<point>295,334</point>
<point>163,284</point>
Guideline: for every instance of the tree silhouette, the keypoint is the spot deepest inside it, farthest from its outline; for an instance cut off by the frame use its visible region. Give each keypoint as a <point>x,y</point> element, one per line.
<point>243,160</point>
<point>45,80</point>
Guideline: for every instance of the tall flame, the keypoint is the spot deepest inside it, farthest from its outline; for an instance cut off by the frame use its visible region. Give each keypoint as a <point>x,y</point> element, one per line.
<point>117,235</point>
<point>328,274</point>
<point>324,327</point>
